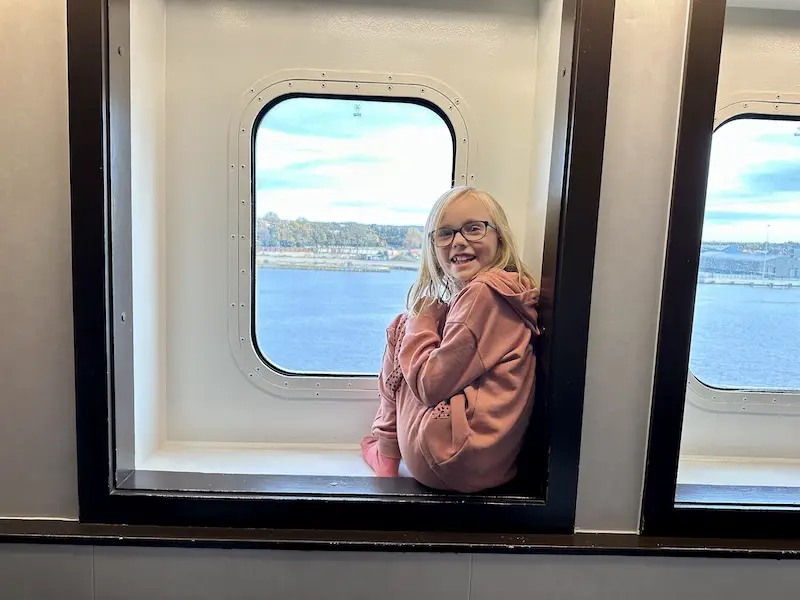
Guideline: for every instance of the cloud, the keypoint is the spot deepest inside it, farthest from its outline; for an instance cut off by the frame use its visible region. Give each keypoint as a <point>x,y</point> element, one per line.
<point>277,180</point>
<point>762,180</point>
<point>413,210</point>
<point>726,217</point>
<point>752,231</point>
<point>389,171</point>
<point>344,118</point>
<point>307,174</point>
<point>784,135</point>
<point>754,182</point>
<point>773,178</point>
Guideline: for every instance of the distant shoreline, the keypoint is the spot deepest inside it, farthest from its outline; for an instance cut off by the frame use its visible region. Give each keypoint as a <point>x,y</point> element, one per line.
<point>334,264</point>
<point>316,263</point>
<point>771,283</point>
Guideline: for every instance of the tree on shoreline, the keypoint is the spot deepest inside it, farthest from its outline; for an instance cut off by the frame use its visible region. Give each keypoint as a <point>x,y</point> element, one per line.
<point>273,231</point>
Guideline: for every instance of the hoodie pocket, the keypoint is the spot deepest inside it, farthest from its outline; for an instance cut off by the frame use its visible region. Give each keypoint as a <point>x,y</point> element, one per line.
<point>446,430</point>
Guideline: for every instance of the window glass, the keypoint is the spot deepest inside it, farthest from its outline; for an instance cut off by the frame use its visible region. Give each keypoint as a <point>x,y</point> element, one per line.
<point>746,331</point>
<point>342,190</point>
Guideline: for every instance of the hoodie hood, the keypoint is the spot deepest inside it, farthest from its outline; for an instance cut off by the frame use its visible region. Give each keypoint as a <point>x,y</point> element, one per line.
<point>521,296</point>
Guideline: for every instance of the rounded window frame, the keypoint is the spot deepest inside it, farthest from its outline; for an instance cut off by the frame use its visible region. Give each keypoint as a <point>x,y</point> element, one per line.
<point>252,108</point>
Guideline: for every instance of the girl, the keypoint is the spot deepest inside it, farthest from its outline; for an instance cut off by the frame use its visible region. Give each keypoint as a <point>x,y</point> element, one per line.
<point>456,385</point>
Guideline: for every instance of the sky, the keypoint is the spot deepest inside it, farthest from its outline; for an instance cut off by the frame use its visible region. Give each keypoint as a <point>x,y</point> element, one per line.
<point>341,160</point>
<point>754,182</point>
<point>386,162</point>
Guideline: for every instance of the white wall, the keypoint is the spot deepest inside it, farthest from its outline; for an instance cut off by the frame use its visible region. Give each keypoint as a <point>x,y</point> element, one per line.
<point>37,445</point>
<point>40,398</point>
<point>148,220</point>
<point>547,76</point>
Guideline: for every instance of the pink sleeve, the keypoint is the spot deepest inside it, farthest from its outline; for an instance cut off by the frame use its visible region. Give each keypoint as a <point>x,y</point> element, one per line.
<point>437,367</point>
<point>384,426</point>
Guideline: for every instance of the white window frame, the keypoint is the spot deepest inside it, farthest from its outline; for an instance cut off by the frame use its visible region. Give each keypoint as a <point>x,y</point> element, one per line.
<point>240,202</point>
<point>755,401</point>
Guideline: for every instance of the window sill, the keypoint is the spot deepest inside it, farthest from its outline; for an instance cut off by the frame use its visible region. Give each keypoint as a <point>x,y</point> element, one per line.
<point>66,532</point>
<point>766,472</point>
<point>321,460</point>
<point>286,470</point>
<point>756,483</point>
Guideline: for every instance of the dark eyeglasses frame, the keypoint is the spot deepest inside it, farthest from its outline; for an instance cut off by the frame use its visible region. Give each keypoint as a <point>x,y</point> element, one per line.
<point>460,230</point>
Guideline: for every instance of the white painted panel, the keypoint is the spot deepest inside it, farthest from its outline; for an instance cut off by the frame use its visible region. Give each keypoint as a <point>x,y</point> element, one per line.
<point>215,51</point>
<point>148,188</point>
<point>761,55</point>
<point>760,52</point>
<point>548,72</point>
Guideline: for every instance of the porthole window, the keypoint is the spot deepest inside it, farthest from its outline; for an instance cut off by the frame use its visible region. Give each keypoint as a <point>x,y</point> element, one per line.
<point>748,287</point>
<point>342,187</point>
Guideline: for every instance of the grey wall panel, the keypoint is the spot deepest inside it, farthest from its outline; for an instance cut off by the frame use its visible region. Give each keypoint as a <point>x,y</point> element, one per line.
<point>634,578</point>
<point>37,422</point>
<point>44,571</point>
<point>41,572</point>
<point>164,573</point>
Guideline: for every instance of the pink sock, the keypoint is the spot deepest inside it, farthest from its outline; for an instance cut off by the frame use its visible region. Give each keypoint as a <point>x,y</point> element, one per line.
<point>383,466</point>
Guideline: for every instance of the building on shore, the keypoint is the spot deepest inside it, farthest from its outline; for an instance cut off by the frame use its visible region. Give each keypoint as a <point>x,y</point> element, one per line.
<point>340,252</point>
<point>733,262</point>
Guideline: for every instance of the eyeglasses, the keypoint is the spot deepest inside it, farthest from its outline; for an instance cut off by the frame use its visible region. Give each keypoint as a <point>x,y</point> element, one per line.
<point>472,232</point>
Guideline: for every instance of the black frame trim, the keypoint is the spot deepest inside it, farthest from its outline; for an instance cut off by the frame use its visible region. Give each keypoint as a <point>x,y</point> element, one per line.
<point>712,512</point>
<point>573,203</point>
<point>587,544</point>
<point>89,183</point>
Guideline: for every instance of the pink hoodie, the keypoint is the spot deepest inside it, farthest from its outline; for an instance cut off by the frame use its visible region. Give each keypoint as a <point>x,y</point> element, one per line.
<point>456,396</point>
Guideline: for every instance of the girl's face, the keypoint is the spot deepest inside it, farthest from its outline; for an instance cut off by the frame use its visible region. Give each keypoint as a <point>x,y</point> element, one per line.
<point>461,258</point>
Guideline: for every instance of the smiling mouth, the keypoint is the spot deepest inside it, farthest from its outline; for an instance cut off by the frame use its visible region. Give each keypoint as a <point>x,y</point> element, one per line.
<point>462,259</point>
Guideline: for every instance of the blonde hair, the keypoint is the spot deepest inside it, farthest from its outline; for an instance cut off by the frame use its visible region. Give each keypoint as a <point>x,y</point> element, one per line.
<point>432,281</point>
